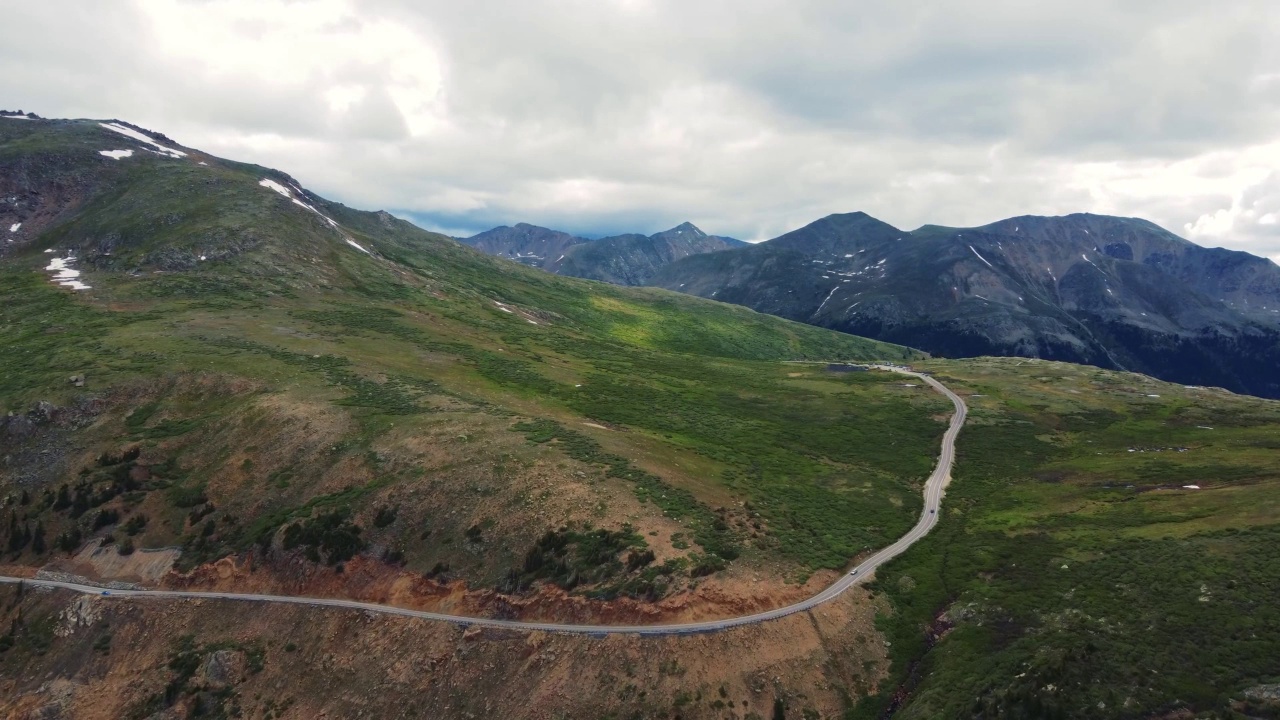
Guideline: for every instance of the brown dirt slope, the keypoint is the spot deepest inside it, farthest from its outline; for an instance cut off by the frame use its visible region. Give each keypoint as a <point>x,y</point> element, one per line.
<point>90,658</point>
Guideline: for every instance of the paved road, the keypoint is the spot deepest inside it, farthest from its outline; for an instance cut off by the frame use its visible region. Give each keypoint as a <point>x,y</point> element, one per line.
<point>933,491</point>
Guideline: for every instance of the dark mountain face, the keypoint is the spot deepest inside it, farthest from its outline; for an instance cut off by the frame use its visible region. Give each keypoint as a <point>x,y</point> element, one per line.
<point>633,259</point>
<point>629,259</point>
<point>524,243</point>
<point>1113,292</point>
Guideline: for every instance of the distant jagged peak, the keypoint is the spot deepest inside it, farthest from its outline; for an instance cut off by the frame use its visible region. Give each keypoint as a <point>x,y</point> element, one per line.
<point>838,231</point>
<point>525,230</point>
<point>684,229</point>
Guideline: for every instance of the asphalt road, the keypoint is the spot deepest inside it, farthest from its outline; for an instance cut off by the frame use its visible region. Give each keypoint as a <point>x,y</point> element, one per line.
<point>933,491</point>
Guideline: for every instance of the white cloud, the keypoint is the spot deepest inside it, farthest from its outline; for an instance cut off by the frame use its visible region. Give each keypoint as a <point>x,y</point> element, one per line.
<point>749,117</point>
<point>322,47</point>
<point>1250,222</point>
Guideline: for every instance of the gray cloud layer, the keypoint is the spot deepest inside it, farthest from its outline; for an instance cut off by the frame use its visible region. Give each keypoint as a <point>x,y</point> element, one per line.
<point>749,117</point>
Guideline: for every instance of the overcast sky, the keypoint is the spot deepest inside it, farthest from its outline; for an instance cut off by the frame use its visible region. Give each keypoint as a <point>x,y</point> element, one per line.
<point>747,117</point>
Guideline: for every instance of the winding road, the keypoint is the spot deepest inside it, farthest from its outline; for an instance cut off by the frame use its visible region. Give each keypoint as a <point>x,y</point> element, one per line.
<point>933,491</point>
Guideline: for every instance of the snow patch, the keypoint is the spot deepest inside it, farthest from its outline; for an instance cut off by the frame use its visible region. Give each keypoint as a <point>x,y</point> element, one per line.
<point>16,117</point>
<point>64,274</point>
<point>355,244</point>
<point>1191,487</point>
<point>203,163</point>
<point>116,154</point>
<point>14,227</point>
<point>49,250</point>
<point>131,133</point>
<point>284,192</point>
<point>975,252</point>
<point>828,299</point>
<point>326,218</point>
<point>269,183</point>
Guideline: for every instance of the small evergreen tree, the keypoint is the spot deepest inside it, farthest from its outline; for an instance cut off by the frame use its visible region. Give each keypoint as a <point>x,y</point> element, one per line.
<point>37,539</point>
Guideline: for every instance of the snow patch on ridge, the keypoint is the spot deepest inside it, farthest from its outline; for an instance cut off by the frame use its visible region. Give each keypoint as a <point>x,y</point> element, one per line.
<point>134,134</point>
<point>272,184</point>
<point>285,192</point>
<point>116,154</point>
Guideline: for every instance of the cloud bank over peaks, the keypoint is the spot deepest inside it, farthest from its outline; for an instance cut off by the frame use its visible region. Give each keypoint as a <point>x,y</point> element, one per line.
<point>749,118</point>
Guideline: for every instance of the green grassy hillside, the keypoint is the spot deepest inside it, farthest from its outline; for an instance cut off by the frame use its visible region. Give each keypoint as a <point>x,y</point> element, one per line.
<point>1106,550</point>
<point>262,381</point>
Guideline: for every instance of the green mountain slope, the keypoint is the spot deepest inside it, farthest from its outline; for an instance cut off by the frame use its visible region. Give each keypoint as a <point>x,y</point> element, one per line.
<point>259,359</point>
<point>1104,551</point>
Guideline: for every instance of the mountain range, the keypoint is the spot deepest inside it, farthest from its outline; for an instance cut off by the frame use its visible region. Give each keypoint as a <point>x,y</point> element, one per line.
<point>1108,291</point>
<point>1113,292</point>
<point>629,259</point>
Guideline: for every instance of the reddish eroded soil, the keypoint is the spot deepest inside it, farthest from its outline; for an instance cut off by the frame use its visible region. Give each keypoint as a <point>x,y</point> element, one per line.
<point>368,580</point>
<point>339,664</point>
